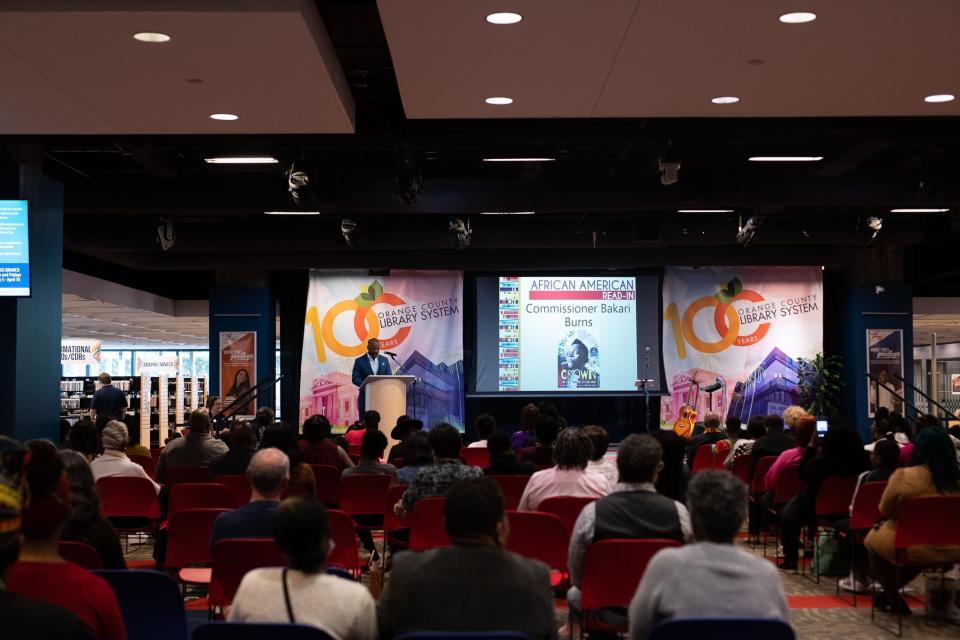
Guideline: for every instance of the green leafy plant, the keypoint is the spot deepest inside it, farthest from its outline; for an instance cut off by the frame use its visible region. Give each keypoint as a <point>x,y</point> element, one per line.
<point>368,297</point>
<point>819,380</point>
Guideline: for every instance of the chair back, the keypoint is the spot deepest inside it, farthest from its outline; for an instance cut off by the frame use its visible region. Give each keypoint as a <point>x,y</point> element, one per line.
<point>476,456</point>
<point>354,449</point>
<point>399,463</point>
<point>233,558</point>
<point>328,484</point>
<point>80,553</point>
<point>155,455</point>
<point>239,486</point>
<point>426,525</point>
<point>364,494</point>
<point>541,536</point>
<point>613,568</point>
<point>759,482</point>
<point>346,545</point>
<point>390,520</point>
<point>703,458</point>
<point>128,497</point>
<point>928,521</point>
<point>258,631</point>
<point>191,495</point>
<point>188,537</point>
<point>146,462</point>
<point>176,475</point>
<point>296,490</point>
<point>788,484</point>
<point>741,468</point>
<point>866,505</point>
<point>463,635</point>
<point>835,495</point>
<point>150,602</point>
<point>567,508</point>
<point>722,629</point>
<point>512,488</point>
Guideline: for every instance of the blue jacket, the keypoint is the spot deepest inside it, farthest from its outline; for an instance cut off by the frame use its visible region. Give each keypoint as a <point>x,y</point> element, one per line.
<point>361,368</point>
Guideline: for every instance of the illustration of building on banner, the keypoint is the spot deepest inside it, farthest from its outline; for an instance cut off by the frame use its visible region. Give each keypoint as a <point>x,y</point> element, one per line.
<point>684,391</point>
<point>439,391</point>
<point>768,390</point>
<point>332,395</point>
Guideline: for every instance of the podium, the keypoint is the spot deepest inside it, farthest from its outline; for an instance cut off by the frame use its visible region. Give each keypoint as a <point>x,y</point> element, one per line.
<point>388,396</point>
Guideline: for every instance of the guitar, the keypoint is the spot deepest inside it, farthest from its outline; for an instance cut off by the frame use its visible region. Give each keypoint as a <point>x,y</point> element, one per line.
<point>687,417</point>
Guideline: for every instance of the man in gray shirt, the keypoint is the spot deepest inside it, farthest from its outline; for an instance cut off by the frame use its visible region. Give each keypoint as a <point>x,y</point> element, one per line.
<point>685,582</point>
<point>197,449</point>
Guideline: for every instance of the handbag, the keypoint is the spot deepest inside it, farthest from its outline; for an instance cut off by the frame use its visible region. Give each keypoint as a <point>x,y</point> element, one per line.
<point>286,598</point>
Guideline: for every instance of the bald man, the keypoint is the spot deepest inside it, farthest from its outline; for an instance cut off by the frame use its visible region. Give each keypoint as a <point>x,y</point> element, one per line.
<point>269,473</point>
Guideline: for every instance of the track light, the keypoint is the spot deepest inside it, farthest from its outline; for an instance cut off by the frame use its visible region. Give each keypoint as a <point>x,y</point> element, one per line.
<point>747,233</point>
<point>409,180</point>
<point>874,224</point>
<point>460,233</point>
<point>350,229</point>
<point>669,172</point>
<point>300,186</point>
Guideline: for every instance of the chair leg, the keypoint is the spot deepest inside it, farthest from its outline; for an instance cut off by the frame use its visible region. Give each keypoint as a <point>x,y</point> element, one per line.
<point>900,593</point>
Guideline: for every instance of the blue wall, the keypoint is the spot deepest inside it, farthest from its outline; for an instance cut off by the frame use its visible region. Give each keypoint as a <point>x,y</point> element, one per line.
<point>244,309</point>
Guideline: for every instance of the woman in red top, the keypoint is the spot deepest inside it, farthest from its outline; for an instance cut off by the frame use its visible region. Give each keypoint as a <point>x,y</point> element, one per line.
<point>41,573</point>
<point>316,446</point>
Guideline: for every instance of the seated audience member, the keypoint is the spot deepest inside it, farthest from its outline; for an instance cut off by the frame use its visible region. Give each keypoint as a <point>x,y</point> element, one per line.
<point>633,509</point>
<point>744,444</point>
<point>197,449</point>
<point>114,462</point>
<point>41,573</point>
<point>84,437</point>
<point>282,436</point>
<point>436,479</point>
<point>24,618</point>
<point>417,455</point>
<point>476,585</point>
<point>316,446</point>
<point>134,446</point>
<point>242,447</point>
<point>303,592</point>
<point>405,427</point>
<point>792,416</point>
<point>806,429</point>
<point>503,461</point>
<point>732,429</point>
<point>262,420</point>
<point>711,435</point>
<point>598,461</point>
<point>674,476</point>
<point>541,454</point>
<point>484,424</point>
<point>371,422</point>
<point>933,471</point>
<point>714,564</point>
<point>64,432</point>
<point>269,472</point>
<point>569,477</point>
<point>883,459</point>
<point>86,523</point>
<point>774,443</point>
<point>526,435</point>
<point>372,447</point>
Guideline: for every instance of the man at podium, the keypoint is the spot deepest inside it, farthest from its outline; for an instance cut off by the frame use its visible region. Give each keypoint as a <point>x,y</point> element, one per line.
<point>368,365</point>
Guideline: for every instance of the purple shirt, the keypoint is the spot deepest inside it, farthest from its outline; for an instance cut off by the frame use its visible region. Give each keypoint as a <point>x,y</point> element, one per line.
<point>790,457</point>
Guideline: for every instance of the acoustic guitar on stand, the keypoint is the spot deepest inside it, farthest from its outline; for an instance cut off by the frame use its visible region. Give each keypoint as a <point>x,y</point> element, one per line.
<point>687,416</point>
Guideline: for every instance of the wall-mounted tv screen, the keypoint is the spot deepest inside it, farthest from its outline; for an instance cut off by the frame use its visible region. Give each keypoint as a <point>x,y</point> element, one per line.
<point>14,249</point>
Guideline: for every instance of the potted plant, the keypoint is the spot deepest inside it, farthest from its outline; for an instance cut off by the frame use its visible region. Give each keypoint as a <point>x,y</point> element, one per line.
<point>819,381</point>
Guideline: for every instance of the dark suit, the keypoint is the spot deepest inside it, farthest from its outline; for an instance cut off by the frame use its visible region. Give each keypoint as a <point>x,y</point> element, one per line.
<point>467,589</point>
<point>362,369</point>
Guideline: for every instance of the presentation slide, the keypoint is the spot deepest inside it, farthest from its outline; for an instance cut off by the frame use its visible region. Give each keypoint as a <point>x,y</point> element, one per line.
<point>567,334</point>
<point>14,248</point>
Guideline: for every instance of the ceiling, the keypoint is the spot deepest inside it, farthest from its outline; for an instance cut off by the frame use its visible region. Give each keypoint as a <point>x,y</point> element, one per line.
<point>120,327</point>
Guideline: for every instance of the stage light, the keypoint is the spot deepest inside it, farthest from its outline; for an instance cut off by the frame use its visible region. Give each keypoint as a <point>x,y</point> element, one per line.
<point>224,116</point>
<point>504,17</point>
<point>151,37</point>
<point>874,224</point>
<point>351,231</point>
<point>460,233</point>
<point>747,233</point>
<point>409,180</point>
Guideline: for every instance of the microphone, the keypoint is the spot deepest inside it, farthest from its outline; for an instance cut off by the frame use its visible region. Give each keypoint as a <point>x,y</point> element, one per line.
<point>391,354</point>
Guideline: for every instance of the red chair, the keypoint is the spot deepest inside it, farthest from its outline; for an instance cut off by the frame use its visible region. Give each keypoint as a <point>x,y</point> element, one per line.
<point>176,475</point>
<point>130,503</point>
<point>81,553</point>
<point>399,463</point>
<point>328,484</point>
<point>364,494</point>
<point>864,514</point>
<point>788,485</point>
<point>512,488</point>
<point>232,559</point>
<point>391,523</point>
<point>426,525</point>
<point>189,495</point>
<point>475,457</point>
<point>354,449</point>
<point>833,502</point>
<point>146,462</point>
<point>567,508</point>
<point>355,457</point>
<point>720,454</point>
<point>541,536</point>
<point>611,572</point>
<point>346,544</point>
<point>239,485</point>
<point>188,543</point>
<point>293,491</point>
<point>155,455</point>
<point>758,487</point>
<point>703,458</point>
<point>741,468</point>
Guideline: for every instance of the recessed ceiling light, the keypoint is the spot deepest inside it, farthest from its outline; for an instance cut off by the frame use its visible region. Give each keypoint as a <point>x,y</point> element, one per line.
<point>798,17</point>
<point>507,213</point>
<point>786,158</point>
<point>241,160</point>
<point>531,159</point>
<point>291,213</point>
<point>940,97</point>
<point>224,116</point>
<point>151,36</point>
<point>499,101</point>
<point>918,210</point>
<point>704,210</point>
<point>504,17</point>
<point>725,100</point>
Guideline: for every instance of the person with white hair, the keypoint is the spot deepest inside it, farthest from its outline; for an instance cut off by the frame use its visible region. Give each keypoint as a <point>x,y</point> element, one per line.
<point>114,461</point>
<point>269,473</point>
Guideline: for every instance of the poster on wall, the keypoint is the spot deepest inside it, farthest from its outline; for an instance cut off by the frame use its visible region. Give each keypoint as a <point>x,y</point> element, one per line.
<point>165,365</point>
<point>885,363</point>
<point>80,351</point>
<point>417,315</point>
<point>955,384</point>
<point>738,330</point>
<point>238,369</point>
